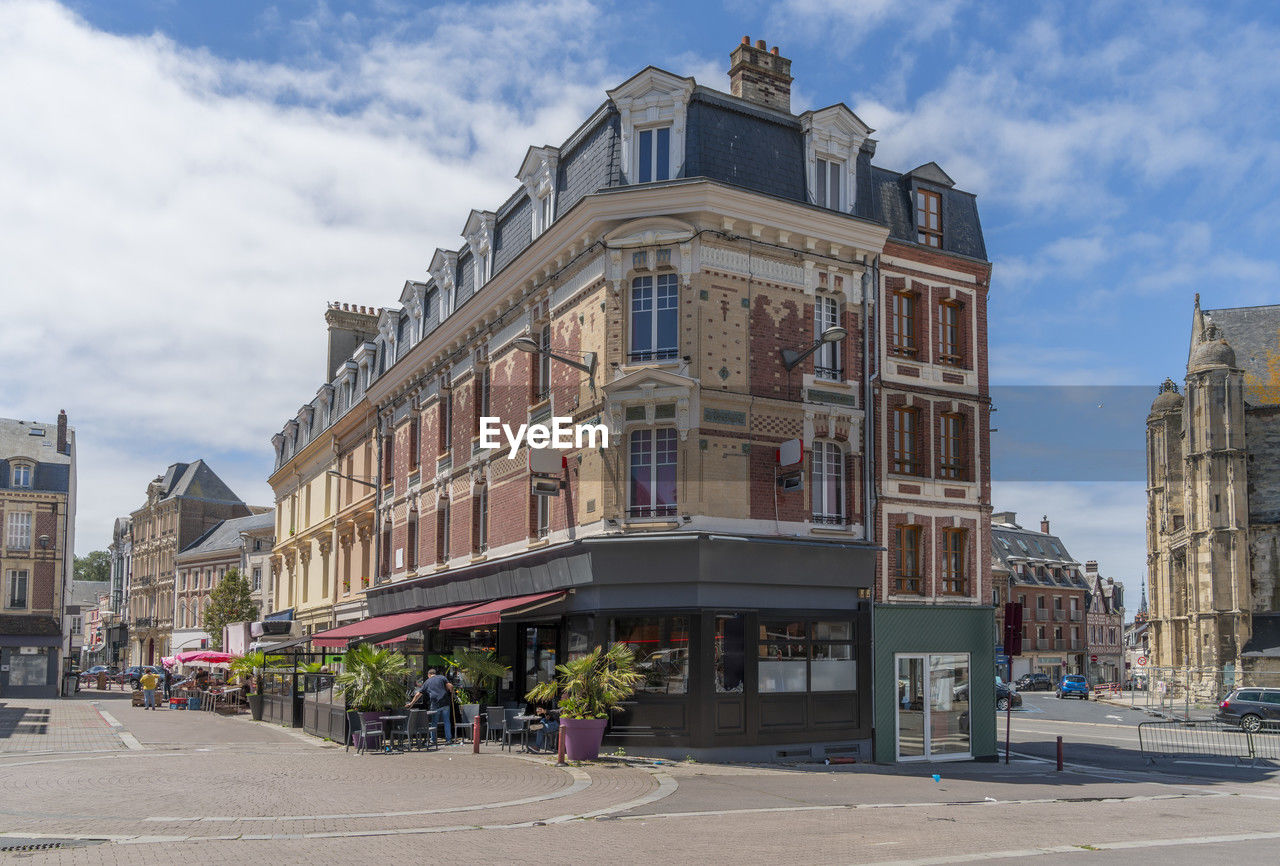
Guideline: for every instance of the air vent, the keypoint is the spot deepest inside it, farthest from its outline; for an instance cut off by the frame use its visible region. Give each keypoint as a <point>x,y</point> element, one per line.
<point>792,753</point>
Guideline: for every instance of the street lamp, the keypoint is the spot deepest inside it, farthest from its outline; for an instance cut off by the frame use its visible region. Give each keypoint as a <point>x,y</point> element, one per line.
<point>792,357</point>
<point>336,474</point>
<point>530,345</point>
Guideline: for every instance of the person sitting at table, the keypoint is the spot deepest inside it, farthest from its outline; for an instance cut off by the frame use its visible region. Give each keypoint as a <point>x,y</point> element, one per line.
<point>544,730</point>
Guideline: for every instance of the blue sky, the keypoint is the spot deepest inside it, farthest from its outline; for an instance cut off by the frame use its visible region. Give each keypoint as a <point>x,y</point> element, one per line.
<point>190,182</point>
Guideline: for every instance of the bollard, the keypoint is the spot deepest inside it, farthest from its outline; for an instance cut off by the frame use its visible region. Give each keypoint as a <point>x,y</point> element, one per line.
<point>1059,754</point>
<point>475,735</point>
<point>560,746</point>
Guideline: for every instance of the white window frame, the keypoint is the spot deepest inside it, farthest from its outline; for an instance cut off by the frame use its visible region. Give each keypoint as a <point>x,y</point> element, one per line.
<point>652,168</point>
<point>653,509</point>
<point>542,516</point>
<point>542,384</point>
<point>824,456</point>
<point>827,361</point>
<point>14,576</point>
<point>833,134</point>
<point>652,283</point>
<point>17,534</point>
<point>826,168</point>
<point>20,474</point>
<point>482,518</point>
<point>538,175</point>
<point>926,713</point>
<point>651,99</point>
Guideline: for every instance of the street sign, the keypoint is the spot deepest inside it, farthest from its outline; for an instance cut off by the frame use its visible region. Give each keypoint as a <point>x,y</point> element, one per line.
<point>1142,660</point>
<point>1093,659</point>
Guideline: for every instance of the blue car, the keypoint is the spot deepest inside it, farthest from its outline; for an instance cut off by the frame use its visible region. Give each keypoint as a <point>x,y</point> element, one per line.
<point>1073,685</point>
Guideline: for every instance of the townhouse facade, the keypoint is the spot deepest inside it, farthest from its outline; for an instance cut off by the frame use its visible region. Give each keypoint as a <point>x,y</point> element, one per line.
<point>1104,627</point>
<point>37,513</point>
<point>117,619</point>
<point>1035,570</point>
<point>324,482</point>
<point>786,348</point>
<point>204,563</point>
<point>182,504</point>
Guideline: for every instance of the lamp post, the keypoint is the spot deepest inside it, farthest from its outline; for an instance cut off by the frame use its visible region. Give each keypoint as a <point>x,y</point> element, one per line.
<point>791,358</point>
<point>587,365</point>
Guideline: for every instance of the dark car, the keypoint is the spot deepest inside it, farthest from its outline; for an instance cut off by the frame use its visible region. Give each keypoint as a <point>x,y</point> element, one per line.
<point>132,674</point>
<point>1035,683</point>
<point>1251,709</point>
<point>95,670</point>
<point>1005,696</point>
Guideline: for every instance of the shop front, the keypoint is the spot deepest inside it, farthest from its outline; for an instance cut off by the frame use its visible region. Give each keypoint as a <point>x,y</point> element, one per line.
<point>29,648</point>
<point>935,693</point>
<point>750,648</point>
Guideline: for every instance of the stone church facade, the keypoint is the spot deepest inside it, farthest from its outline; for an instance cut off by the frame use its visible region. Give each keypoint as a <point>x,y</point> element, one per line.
<point>1213,497</point>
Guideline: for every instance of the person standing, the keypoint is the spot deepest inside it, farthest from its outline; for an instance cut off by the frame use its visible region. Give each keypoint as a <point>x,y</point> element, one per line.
<point>148,683</point>
<point>437,693</point>
<point>168,684</point>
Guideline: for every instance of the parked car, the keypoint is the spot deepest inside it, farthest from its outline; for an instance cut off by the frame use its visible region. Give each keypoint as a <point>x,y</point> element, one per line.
<point>1005,696</point>
<point>97,669</point>
<point>1035,683</point>
<point>131,675</point>
<point>1251,709</point>
<point>1073,685</point>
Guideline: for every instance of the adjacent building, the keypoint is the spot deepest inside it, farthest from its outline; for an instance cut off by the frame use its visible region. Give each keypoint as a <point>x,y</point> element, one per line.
<point>1035,570</point>
<point>1213,494</point>
<point>38,516</point>
<point>202,565</point>
<point>183,504</point>
<point>81,600</point>
<point>325,482</point>
<point>785,346</point>
<point>1104,627</point>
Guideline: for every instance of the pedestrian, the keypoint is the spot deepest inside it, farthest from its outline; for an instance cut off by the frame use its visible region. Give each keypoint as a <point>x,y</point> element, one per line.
<point>148,683</point>
<point>168,684</point>
<point>437,693</point>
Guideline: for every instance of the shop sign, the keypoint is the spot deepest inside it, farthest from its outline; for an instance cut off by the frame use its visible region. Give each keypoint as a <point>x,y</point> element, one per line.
<point>29,650</point>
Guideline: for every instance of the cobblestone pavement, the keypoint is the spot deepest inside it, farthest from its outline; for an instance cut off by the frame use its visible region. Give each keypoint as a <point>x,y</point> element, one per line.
<point>200,788</point>
<point>33,725</point>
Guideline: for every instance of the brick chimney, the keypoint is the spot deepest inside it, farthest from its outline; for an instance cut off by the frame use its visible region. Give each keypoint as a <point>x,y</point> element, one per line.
<point>760,75</point>
<point>62,432</point>
<point>349,326</point>
<point>1091,567</point>
<point>1044,524</point>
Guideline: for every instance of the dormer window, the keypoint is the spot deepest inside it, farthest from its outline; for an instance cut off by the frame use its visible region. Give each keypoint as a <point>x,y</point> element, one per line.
<point>929,218</point>
<point>538,174</point>
<point>829,189</point>
<point>653,154</point>
<point>20,475</point>
<point>545,212</point>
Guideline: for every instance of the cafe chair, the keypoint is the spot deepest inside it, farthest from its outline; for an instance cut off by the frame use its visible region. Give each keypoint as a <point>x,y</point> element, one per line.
<point>419,729</point>
<point>495,722</point>
<point>512,728</point>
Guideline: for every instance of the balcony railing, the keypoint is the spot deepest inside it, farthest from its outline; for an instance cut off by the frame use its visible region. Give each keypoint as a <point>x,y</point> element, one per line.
<point>1042,643</point>
<point>1060,616</point>
<point>1059,643</point>
<point>142,622</point>
<point>1042,614</point>
<point>1077,644</point>
<point>1075,616</point>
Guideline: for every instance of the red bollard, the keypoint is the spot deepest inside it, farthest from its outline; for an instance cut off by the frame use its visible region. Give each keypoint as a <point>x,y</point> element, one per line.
<point>560,745</point>
<point>1059,754</point>
<point>475,735</point>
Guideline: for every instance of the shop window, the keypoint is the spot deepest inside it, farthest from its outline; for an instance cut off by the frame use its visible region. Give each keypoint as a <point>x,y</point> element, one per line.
<point>653,473</point>
<point>730,649</point>
<point>661,645</point>
<point>784,657</point>
<point>654,333</point>
<point>831,664</point>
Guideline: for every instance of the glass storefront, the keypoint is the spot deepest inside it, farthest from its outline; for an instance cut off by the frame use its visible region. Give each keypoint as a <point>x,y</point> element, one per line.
<point>933,706</point>
<point>661,645</point>
<point>27,669</point>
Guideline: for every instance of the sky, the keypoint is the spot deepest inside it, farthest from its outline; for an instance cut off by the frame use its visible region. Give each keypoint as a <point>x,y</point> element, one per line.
<point>185,185</point>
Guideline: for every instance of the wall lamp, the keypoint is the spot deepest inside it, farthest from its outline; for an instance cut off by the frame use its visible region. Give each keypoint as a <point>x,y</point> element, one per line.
<point>792,357</point>
<point>530,345</point>
<point>336,474</point>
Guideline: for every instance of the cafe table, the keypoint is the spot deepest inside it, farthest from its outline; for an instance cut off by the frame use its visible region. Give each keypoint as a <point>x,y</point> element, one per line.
<point>389,722</point>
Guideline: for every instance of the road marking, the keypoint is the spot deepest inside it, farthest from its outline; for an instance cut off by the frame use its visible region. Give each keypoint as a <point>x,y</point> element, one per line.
<point>131,741</point>
<point>109,719</point>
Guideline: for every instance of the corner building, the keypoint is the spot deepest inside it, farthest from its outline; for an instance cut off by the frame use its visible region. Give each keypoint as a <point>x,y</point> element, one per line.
<point>688,250</point>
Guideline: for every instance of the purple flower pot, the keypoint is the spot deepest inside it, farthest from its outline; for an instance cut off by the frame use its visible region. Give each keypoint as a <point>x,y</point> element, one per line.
<point>582,738</point>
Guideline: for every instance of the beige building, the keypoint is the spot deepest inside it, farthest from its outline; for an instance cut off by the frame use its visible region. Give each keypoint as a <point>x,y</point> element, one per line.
<point>324,554</point>
<point>182,505</point>
<point>1213,491</point>
<point>203,564</point>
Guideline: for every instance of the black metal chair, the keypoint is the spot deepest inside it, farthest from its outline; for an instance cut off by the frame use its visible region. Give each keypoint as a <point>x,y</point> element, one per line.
<point>495,722</point>
<point>360,731</point>
<point>418,730</point>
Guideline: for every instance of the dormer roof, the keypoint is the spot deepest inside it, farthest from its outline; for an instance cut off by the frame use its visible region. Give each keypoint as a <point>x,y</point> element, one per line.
<point>932,173</point>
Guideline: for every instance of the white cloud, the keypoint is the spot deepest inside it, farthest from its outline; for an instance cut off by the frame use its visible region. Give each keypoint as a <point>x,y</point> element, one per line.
<point>174,223</point>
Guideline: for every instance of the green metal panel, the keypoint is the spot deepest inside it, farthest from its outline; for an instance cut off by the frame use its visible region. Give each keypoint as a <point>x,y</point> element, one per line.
<point>900,628</point>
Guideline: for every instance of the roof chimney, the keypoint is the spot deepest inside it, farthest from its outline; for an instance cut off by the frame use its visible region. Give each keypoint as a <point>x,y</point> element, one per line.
<point>1091,567</point>
<point>1044,524</point>
<point>760,75</point>
<point>62,432</point>
<point>349,326</point>
<point>1009,517</point>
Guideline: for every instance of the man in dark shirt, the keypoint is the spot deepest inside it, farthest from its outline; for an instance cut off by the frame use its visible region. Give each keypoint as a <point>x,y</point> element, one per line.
<point>437,693</point>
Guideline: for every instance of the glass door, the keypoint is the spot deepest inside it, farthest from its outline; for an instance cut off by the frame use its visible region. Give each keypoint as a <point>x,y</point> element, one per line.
<point>932,706</point>
<point>540,644</point>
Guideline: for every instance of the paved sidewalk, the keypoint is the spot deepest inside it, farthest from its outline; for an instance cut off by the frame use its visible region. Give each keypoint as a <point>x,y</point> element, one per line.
<point>54,725</point>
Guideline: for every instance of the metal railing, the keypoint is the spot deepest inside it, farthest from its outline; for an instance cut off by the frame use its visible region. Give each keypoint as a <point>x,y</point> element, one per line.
<point>1207,739</point>
<point>1042,614</point>
<point>1187,693</point>
<point>1060,616</point>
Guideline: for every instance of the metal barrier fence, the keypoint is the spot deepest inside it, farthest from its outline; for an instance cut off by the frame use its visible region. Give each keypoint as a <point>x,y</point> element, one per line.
<point>1175,739</point>
<point>1190,693</point>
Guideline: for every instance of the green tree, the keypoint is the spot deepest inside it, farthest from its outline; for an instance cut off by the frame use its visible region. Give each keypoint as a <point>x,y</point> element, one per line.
<point>95,566</point>
<point>230,601</point>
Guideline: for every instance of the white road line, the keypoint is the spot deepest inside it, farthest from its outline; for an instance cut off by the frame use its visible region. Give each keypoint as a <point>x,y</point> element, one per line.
<point>110,719</point>
<point>131,741</point>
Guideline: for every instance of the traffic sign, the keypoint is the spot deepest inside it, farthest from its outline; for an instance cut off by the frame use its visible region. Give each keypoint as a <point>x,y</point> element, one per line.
<point>1142,660</point>
<point>1093,659</point>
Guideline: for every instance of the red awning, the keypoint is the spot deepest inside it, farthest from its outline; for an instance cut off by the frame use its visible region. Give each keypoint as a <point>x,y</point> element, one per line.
<point>392,625</point>
<point>491,613</point>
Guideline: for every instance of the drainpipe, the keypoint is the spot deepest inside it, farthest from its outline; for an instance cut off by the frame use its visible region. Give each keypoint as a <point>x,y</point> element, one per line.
<point>870,283</point>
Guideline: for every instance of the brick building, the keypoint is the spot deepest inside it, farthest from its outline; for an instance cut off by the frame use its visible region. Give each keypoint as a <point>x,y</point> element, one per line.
<point>1035,570</point>
<point>1104,627</point>
<point>787,346</point>
<point>182,505</point>
<point>38,516</point>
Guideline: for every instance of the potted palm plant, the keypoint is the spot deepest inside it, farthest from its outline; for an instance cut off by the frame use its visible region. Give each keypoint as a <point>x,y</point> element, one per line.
<point>248,670</point>
<point>590,687</point>
<point>374,680</point>
<point>481,672</point>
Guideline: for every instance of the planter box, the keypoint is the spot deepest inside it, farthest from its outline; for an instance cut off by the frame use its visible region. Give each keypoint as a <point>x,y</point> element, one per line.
<point>582,738</point>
